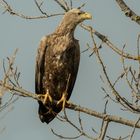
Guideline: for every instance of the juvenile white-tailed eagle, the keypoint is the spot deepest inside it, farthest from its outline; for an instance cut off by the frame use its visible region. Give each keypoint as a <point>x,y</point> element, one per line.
<point>57,65</point>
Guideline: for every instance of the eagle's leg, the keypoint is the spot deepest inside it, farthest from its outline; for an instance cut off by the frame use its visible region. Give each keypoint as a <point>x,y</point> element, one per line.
<point>63,100</point>
<point>46,97</point>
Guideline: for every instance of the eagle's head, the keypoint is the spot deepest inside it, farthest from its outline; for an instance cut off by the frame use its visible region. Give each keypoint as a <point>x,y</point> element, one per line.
<point>71,19</point>
<point>76,16</point>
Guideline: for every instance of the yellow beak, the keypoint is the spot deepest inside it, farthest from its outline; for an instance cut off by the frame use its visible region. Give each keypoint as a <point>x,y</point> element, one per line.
<point>86,16</point>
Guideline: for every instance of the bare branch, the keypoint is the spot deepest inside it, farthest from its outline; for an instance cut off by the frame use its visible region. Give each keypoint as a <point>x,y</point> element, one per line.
<point>109,44</point>
<point>19,91</point>
<point>120,138</point>
<point>106,117</point>
<point>8,103</point>
<point>138,49</point>
<point>71,4</point>
<point>81,6</point>
<point>81,132</point>
<point>80,121</point>
<point>39,7</point>
<point>120,99</point>
<point>128,12</point>
<point>104,125</point>
<point>24,93</point>
<point>119,77</point>
<point>64,137</point>
<point>11,11</point>
<point>103,130</point>
<point>66,5</point>
<point>62,5</point>
<point>134,129</point>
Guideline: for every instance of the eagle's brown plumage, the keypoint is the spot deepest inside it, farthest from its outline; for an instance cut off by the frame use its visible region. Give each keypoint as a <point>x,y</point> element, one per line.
<point>57,64</point>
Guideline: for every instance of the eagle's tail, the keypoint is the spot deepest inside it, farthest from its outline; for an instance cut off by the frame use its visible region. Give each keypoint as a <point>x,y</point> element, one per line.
<point>47,113</point>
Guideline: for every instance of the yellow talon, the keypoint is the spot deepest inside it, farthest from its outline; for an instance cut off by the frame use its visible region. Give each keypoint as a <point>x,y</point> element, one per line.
<point>62,101</point>
<point>46,97</point>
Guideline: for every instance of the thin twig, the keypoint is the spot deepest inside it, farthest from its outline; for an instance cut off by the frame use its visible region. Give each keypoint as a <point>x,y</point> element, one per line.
<point>39,7</point>
<point>81,132</point>
<point>120,99</point>
<point>109,44</point>
<point>64,137</point>
<point>61,5</point>
<point>11,11</point>
<point>103,130</point>
<point>120,138</point>
<point>132,134</point>
<point>104,125</point>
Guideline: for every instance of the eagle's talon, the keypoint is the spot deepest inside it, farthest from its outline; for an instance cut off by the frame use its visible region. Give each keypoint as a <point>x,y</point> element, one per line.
<point>45,98</point>
<point>62,101</point>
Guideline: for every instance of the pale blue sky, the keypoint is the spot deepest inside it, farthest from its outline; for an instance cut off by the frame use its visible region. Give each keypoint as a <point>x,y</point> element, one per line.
<point>23,121</point>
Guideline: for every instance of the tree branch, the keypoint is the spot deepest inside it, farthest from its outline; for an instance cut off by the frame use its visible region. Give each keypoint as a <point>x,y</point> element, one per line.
<point>106,117</point>
<point>109,43</point>
<point>128,12</point>
<point>125,103</point>
<point>11,11</point>
<point>24,93</point>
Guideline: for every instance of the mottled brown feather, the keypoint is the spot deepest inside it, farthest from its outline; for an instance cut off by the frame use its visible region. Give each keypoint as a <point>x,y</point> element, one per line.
<point>57,64</point>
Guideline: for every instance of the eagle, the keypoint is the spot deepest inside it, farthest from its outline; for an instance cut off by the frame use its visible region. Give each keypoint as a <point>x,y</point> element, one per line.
<point>57,63</point>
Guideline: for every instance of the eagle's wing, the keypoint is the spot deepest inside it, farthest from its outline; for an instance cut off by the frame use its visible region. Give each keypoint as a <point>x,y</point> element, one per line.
<point>74,72</point>
<point>40,65</point>
<point>39,73</point>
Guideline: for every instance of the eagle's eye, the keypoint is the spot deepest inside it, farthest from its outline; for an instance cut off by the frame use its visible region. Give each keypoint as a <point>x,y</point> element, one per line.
<point>79,13</point>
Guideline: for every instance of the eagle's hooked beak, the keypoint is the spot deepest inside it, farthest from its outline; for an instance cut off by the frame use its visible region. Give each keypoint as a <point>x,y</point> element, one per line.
<point>86,16</point>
